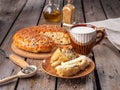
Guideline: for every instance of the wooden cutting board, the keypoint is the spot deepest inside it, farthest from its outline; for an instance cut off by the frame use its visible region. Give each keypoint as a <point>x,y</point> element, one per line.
<point>38,56</point>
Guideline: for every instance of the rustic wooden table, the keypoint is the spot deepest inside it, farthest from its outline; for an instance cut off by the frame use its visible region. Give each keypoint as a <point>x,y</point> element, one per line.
<point>17,14</point>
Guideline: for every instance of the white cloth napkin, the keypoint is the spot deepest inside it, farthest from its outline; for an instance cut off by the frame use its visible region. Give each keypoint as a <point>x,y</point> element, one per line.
<point>112,28</point>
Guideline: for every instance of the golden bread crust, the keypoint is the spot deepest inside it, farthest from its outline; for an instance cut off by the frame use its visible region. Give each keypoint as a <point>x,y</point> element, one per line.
<point>42,38</point>
<point>33,42</point>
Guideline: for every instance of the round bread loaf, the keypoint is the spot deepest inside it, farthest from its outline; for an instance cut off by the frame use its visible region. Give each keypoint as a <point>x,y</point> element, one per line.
<point>31,41</point>
<point>42,38</point>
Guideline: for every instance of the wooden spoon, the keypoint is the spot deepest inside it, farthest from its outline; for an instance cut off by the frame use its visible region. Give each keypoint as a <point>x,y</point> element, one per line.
<point>22,74</point>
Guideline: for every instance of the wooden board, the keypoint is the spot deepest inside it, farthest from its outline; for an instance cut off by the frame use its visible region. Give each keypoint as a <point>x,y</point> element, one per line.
<point>25,54</point>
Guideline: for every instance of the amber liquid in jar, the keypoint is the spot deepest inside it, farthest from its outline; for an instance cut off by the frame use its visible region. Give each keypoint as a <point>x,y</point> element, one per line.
<point>54,16</point>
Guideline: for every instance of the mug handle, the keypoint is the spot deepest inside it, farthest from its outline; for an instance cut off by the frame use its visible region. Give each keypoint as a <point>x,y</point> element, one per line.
<point>100,37</point>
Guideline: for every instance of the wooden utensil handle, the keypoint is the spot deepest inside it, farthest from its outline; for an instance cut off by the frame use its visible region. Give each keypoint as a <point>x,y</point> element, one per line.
<point>8,79</point>
<point>18,60</point>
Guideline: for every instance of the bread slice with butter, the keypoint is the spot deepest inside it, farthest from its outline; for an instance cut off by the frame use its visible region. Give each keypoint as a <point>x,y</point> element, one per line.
<point>72,67</point>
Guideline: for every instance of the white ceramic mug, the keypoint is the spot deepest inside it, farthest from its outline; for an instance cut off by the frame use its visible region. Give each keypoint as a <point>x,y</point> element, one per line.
<point>84,37</point>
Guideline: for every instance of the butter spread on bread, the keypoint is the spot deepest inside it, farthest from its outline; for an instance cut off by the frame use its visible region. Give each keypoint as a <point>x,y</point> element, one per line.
<point>72,67</point>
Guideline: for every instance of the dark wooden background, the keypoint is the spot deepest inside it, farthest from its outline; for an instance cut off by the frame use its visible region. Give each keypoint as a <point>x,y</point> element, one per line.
<point>17,14</point>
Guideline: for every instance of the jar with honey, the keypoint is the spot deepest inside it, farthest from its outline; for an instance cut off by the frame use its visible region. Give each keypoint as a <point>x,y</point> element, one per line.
<point>51,12</point>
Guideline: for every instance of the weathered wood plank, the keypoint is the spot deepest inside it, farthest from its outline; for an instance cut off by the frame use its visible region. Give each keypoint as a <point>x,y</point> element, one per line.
<point>9,10</point>
<point>84,83</point>
<point>7,18</point>
<point>93,10</point>
<point>111,8</point>
<point>108,62</point>
<point>107,65</point>
<point>79,17</point>
<point>7,68</point>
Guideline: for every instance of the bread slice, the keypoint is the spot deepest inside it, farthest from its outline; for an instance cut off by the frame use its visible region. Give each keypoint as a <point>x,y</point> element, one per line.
<point>72,67</point>
<point>81,61</point>
<point>67,70</point>
<point>57,58</point>
<point>62,54</point>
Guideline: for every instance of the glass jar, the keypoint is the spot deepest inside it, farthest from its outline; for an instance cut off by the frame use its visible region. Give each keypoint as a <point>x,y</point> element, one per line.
<point>68,12</point>
<point>51,12</point>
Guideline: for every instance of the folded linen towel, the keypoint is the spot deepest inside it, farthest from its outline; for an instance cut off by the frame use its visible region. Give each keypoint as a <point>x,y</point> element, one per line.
<point>111,24</point>
<point>112,28</point>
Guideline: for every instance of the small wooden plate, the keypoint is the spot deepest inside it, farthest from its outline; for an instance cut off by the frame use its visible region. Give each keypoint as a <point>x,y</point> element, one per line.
<point>46,66</point>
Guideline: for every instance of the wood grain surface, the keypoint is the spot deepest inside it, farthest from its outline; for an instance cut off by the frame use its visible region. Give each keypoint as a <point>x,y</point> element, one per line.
<point>9,11</point>
<point>18,14</point>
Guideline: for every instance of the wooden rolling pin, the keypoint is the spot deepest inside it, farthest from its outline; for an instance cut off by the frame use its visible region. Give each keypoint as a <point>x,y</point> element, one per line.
<point>18,61</point>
